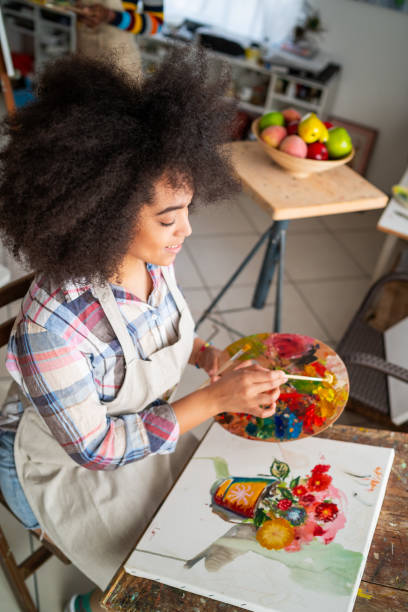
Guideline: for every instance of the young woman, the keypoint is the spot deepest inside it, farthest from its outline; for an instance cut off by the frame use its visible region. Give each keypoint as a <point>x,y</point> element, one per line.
<point>98,177</point>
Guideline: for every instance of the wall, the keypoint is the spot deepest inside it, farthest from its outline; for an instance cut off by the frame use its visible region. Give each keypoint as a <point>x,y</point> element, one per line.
<point>371,44</point>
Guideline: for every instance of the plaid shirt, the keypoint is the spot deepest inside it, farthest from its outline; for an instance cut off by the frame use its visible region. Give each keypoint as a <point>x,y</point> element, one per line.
<point>65,356</point>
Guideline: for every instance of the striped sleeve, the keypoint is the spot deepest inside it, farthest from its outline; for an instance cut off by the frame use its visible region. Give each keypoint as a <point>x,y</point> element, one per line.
<point>58,380</point>
<point>149,21</point>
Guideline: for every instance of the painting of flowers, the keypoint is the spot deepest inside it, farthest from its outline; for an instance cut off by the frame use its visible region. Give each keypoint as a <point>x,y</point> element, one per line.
<point>304,407</point>
<point>281,527</point>
<point>286,512</point>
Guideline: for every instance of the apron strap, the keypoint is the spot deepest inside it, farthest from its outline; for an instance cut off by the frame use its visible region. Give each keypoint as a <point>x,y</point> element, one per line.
<point>115,318</point>
<point>174,290</point>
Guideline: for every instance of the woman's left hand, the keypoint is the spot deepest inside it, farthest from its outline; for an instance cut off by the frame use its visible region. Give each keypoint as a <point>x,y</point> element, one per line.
<point>209,360</point>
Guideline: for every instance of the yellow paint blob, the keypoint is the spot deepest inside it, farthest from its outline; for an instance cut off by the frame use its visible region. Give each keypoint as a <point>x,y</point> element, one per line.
<point>361,593</point>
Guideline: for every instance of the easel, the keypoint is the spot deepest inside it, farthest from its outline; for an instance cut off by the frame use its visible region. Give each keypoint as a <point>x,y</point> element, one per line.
<point>6,69</point>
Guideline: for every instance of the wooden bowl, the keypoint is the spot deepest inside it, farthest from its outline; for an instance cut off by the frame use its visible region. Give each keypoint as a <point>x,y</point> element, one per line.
<point>297,166</point>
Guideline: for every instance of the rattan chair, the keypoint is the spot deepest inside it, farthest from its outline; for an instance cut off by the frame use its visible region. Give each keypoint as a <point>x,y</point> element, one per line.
<point>15,573</point>
<point>362,345</point>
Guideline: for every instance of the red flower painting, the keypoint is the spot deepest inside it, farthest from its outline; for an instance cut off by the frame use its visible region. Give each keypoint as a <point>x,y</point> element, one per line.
<point>319,481</point>
<point>299,490</point>
<point>320,469</point>
<point>326,511</point>
<point>284,504</point>
<point>308,499</point>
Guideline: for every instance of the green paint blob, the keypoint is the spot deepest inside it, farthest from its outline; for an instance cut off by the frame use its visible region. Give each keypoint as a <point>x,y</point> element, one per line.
<point>328,568</point>
<point>220,466</point>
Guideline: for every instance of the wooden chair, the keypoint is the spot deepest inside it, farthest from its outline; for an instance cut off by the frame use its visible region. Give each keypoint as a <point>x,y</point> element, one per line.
<point>17,574</point>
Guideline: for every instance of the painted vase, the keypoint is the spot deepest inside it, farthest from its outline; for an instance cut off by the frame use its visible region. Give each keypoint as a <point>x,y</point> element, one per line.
<point>236,498</point>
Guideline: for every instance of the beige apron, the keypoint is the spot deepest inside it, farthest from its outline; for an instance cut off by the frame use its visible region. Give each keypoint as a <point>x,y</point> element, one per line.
<point>106,41</point>
<point>95,517</point>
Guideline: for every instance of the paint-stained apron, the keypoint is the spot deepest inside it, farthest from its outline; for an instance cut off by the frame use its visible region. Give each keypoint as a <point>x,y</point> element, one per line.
<point>106,41</point>
<point>96,516</point>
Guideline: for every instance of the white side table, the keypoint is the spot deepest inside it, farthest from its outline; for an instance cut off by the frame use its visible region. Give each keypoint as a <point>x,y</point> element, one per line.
<point>394,222</point>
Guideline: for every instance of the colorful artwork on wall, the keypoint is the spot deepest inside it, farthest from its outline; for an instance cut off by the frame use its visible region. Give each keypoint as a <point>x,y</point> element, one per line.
<point>283,527</point>
<point>304,407</point>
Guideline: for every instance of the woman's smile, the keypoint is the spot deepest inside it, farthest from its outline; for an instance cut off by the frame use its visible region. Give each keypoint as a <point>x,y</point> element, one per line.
<point>174,248</point>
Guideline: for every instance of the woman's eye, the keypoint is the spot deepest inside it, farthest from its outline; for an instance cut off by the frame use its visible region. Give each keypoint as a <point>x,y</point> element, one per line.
<point>167,224</point>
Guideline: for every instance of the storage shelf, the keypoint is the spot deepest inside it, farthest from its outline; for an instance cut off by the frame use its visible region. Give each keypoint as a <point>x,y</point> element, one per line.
<point>45,20</point>
<point>251,108</point>
<point>231,59</point>
<point>19,29</point>
<point>296,101</point>
<point>322,107</point>
<point>21,14</point>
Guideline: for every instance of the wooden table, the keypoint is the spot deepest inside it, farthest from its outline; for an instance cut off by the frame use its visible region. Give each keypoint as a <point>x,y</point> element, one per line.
<point>284,197</point>
<point>384,587</point>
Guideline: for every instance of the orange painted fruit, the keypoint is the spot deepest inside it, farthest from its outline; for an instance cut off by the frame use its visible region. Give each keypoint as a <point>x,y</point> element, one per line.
<point>275,534</point>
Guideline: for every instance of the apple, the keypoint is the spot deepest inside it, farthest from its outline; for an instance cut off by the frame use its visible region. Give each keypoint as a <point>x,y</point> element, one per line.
<point>273,135</point>
<point>328,124</point>
<point>290,115</point>
<point>317,150</point>
<point>339,143</point>
<point>294,145</point>
<point>272,118</point>
<point>292,127</point>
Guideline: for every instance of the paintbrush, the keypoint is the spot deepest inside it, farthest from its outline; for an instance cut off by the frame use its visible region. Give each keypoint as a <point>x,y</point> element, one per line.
<point>222,369</point>
<point>327,378</point>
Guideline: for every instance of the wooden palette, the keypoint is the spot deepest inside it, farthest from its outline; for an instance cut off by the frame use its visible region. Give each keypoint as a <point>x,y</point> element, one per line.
<point>304,408</point>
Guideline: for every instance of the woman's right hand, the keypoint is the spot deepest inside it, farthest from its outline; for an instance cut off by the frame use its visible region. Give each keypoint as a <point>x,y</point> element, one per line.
<point>248,388</point>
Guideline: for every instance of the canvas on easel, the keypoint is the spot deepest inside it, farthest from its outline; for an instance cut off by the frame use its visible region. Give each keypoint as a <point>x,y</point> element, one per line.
<point>268,526</point>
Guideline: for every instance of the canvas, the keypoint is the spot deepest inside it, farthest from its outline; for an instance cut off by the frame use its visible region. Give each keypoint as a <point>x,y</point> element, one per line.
<point>268,526</point>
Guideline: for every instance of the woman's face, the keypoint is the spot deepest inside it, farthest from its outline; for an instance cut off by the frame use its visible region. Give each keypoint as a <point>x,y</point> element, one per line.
<point>162,226</point>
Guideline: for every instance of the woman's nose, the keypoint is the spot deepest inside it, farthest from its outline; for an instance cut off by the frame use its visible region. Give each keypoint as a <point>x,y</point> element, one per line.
<point>185,228</point>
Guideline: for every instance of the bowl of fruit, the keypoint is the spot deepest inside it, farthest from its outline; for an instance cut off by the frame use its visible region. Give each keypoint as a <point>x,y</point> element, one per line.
<point>302,145</point>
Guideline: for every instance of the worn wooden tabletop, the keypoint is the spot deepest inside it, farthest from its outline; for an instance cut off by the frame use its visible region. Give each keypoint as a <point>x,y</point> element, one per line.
<point>384,587</point>
<point>341,190</point>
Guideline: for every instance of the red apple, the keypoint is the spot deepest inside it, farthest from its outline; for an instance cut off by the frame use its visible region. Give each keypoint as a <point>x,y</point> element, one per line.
<point>328,124</point>
<point>294,145</point>
<point>273,135</point>
<point>290,115</point>
<point>292,127</point>
<point>317,150</point>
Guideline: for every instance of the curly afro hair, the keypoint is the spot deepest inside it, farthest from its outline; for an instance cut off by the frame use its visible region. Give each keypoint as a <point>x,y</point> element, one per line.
<point>85,156</point>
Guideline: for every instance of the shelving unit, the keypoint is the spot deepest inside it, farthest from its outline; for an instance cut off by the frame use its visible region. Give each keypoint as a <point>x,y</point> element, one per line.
<point>257,88</point>
<point>43,31</point>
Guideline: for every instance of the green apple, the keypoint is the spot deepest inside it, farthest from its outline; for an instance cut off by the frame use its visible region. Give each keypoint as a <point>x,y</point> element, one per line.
<point>272,118</point>
<point>339,143</point>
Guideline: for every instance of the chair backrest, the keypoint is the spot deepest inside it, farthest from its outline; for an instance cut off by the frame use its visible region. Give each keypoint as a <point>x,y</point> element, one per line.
<point>8,294</point>
<point>17,573</point>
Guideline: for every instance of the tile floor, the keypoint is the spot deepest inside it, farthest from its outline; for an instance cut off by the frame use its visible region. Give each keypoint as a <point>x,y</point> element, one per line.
<point>328,267</point>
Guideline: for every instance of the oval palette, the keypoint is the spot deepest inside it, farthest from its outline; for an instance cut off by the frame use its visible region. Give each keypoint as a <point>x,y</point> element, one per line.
<point>304,408</point>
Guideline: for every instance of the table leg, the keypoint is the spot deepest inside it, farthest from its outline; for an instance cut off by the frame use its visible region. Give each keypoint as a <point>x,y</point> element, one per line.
<point>275,254</point>
<point>279,286</point>
<point>234,276</point>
